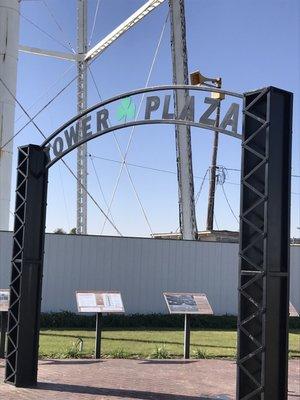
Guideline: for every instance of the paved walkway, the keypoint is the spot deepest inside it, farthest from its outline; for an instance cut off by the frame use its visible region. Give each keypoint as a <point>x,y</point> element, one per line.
<point>136,379</point>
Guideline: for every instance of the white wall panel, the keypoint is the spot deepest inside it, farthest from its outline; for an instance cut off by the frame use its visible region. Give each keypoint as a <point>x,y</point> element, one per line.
<point>141,269</point>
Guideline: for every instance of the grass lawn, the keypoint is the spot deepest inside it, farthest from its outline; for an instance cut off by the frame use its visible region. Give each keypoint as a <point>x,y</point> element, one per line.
<point>144,343</point>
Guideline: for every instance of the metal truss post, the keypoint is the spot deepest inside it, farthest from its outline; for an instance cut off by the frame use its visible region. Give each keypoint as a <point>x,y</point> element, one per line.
<point>27,267</point>
<point>262,364</point>
<point>82,47</point>
<point>187,213</point>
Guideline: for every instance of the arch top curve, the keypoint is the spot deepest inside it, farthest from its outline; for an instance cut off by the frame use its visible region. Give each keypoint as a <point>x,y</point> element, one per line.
<point>154,108</point>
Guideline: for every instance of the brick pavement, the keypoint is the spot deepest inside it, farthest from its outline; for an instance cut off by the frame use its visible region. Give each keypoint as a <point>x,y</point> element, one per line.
<point>136,379</point>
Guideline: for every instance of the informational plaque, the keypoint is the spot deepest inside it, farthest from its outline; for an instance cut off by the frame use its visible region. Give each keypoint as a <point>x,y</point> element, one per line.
<point>4,299</point>
<point>293,311</point>
<point>188,303</point>
<point>99,302</point>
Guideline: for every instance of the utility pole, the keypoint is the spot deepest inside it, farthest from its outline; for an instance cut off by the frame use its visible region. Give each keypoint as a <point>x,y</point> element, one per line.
<point>187,214</point>
<point>82,47</point>
<point>199,80</point>
<point>9,42</point>
<point>213,167</point>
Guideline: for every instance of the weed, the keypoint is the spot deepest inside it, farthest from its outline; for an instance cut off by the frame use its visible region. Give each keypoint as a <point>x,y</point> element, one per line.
<point>160,352</point>
<point>200,354</point>
<point>118,353</point>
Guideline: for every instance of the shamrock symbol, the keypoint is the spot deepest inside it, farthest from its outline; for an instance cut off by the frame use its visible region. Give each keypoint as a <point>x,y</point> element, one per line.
<point>126,109</point>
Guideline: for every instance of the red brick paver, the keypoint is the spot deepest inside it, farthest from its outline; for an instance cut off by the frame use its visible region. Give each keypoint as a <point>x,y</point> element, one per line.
<point>136,379</point>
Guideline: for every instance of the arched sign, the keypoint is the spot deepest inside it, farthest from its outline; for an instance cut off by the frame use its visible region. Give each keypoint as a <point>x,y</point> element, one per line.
<point>156,108</point>
<point>262,356</point>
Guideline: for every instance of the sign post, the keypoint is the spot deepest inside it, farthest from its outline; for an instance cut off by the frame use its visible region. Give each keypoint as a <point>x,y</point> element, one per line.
<point>4,304</point>
<point>3,333</point>
<point>187,336</point>
<point>99,303</point>
<point>98,336</point>
<point>187,304</point>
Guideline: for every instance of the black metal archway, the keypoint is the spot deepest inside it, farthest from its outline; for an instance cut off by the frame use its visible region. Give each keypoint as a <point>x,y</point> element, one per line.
<point>264,243</point>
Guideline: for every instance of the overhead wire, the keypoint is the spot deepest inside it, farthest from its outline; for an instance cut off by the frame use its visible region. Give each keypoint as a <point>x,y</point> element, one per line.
<point>43,31</point>
<point>201,186</point>
<point>137,114</point>
<point>31,119</point>
<point>147,167</point>
<point>63,161</point>
<point>94,22</point>
<point>126,166</point>
<point>67,41</point>
<point>64,196</point>
<point>229,205</point>
<point>45,92</point>
<point>99,184</point>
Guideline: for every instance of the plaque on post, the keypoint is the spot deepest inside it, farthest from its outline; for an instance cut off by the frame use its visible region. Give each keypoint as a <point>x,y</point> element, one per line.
<point>4,304</point>
<point>99,302</point>
<point>187,304</point>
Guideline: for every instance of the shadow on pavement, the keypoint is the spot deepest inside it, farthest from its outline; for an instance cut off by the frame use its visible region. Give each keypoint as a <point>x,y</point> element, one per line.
<point>127,394</point>
<point>71,362</point>
<point>174,362</point>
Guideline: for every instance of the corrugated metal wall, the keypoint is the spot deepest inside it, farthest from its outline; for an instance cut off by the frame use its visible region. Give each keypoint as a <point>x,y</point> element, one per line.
<point>141,269</point>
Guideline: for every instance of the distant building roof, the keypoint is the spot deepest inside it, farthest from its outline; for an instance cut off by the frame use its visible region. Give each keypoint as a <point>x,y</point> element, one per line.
<point>207,236</point>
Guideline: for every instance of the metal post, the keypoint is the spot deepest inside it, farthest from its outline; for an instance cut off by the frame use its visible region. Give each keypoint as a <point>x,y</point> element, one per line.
<point>98,336</point>
<point>187,335</point>
<point>9,41</point>
<point>3,333</point>
<point>82,47</point>
<point>27,267</point>
<point>262,359</point>
<point>187,214</point>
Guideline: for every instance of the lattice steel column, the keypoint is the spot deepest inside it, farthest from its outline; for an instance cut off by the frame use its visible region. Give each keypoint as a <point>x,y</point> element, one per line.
<point>264,246</point>
<point>82,48</point>
<point>27,267</point>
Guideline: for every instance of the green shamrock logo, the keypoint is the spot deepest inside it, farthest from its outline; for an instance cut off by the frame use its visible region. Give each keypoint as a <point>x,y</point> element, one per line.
<point>126,110</point>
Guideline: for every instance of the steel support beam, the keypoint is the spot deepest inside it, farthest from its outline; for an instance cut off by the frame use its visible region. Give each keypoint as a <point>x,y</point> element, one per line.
<point>27,267</point>
<point>129,23</point>
<point>82,45</point>
<point>187,214</point>
<point>49,53</point>
<point>262,371</point>
<point>9,40</point>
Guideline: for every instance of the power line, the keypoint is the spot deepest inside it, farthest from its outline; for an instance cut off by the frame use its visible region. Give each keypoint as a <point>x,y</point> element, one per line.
<point>228,203</point>
<point>238,170</point>
<point>201,187</point>
<point>154,169</point>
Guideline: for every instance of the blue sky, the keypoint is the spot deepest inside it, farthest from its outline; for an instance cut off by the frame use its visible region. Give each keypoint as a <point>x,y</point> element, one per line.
<point>250,44</point>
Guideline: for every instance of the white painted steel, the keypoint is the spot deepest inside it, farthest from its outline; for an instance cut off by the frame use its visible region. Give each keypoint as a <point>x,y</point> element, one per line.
<point>82,45</point>
<point>121,29</point>
<point>50,53</point>
<point>141,269</point>
<point>9,41</point>
<point>187,213</point>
